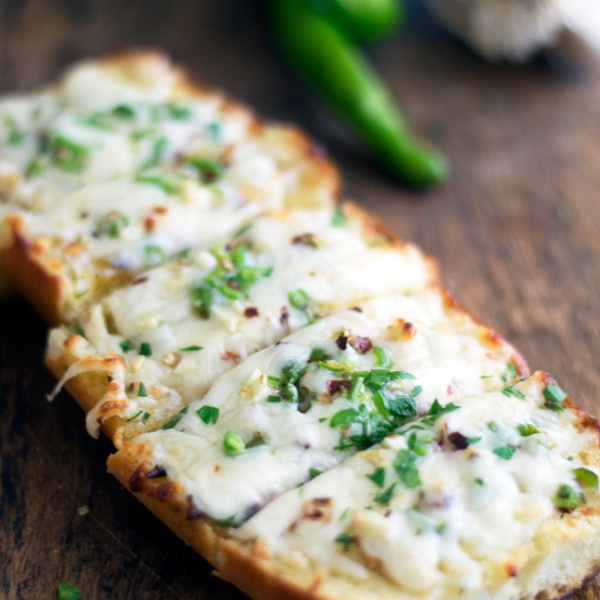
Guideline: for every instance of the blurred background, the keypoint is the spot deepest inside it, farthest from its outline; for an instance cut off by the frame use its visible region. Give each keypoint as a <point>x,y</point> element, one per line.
<point>515,226</point>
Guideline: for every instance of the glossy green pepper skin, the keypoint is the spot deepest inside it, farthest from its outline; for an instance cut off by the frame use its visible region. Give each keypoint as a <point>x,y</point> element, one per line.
<point>363,21</point>
<point>339,71</point>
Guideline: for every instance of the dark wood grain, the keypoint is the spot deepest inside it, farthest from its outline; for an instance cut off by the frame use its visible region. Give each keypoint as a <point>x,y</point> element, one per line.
<point>516,229</point>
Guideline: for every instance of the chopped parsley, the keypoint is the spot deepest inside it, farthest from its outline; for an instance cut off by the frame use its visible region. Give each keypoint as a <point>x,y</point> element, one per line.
<point>272,398</point>
<point>69,155</point>
<point>510,374</point>
<point>126,345</point>
<point>377,476</point>
<point>208,414</point>
<point>175,419</point>
<point>15,135</point>
<point>111,224</point>
<point>142,391</point>
<point>505,452</point>
<point>527,429</point>
<point>233,443</point>
<point>137,414</point>
<point>405,465</point>
<point>209,171</point>
<point>191,349</point>
<point>145,349</point>
<point>170,184</point>
<point>154,255</point>
<point>566,498</point>
<point>492,426</point>
<point>179,112</point>
<point>554,397</point>
<point>345,539</point>
<point>338,218</point>
<point>383,358</point>
<point>299,299</point>
<point>124,111</point>
<point>586,478</point>
<point>479,481</point>
<point>436,411</point>
<point>156,154</point>
<point>214,130</point>
<point>312,472</point>
<point>384,496</point>
<point>510,391</point>
<point>68,591</point>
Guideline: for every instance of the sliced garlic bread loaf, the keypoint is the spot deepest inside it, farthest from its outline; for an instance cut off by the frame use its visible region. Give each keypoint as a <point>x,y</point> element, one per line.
<point>123,164</point>
<point>165,338</point>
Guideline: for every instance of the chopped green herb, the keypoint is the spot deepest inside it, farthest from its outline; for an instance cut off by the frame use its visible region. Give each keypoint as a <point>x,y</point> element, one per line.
<point>68,591</point>
<point>401,375</point>
<point>178,112</point>
<point>79,330</point>
<point>406,468</point>
<point>586,478</point>
<point>233,443</point>
<point>344,417</point>
<point>510,391</point>
<point>510,374</point>
<point>505,452</point>
<point>492,426</point>
<point>36,168</point>
<point>479,481</point>
<point>383,358</point>
<point>208,414</point>
<point>156,154</point>
<point>242,230</point>
<point>299,299</point>
<point>377,476</point>
<point>566,498</point>
<point>80,294</point>
<point>154,255</point>
<point>15,136</point>
<point>402,407</point>
<point>111,224</point>
<point>99,121</point>
<point>345,539</point>
<point>191,348</point>
<point>527,429</point>
<point>214,130</point>
<point>318,354</point>
<point>126,345</point>
<point>257,440</point>
<point>486,376</point>
<point>385,496</point>
<point>209,171</point>
<point>142,392</point>
<point>69,155</point>
<point>137,414</point>
<point>145,349</point>
<point>437,410</point>
<point>146,416</point>
<point>554,397</point>
<point>272,398</point>
<point>416,391</point>
<point>338,219</point>
<point>170,184</point>
<point>124,111</point>
<point>175,419</point>
<point>312,472</point>
<point>202,300</point>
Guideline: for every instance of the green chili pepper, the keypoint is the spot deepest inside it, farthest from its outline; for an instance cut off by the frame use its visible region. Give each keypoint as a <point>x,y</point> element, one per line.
<point>332,64</point>
<point>363,20</point>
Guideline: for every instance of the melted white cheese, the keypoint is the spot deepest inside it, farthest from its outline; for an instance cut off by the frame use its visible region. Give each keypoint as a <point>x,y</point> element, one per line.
<point>471,519</point>
<point>445,359</point>
<point>115,142</point>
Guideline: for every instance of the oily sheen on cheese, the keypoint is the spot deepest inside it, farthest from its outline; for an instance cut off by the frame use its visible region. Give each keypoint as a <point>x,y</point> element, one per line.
<point>183,324</point>
<point>321,394</point>
<point>120,166</point>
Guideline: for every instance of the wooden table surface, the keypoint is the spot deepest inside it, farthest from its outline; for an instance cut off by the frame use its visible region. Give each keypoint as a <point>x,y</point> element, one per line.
<point>516,229</point>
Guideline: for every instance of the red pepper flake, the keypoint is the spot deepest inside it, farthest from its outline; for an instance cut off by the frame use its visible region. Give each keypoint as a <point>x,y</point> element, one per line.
<point>159,210</point>
<point>149,224</point>
<point>334,386</point>
<point>458,440</point>
<point>230,356</point>
<point>306,239</point>
<point>511,570</point>
<point>409,329</point>
<point>251,311</point>
<point>342,341</point>
<point>361,344</point>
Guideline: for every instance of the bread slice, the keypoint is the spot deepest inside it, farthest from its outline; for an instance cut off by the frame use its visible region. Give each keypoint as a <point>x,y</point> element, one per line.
<point>176,329</point>
<point>125,163</point>
<point>495,498</point>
